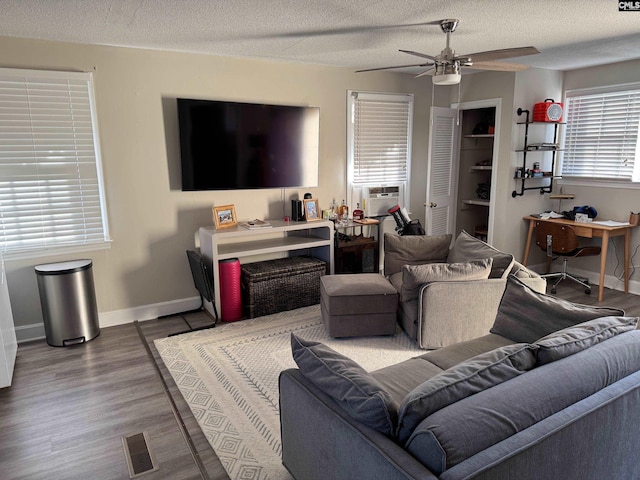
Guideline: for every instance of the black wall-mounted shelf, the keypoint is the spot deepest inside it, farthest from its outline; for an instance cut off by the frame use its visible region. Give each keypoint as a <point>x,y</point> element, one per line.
<point>526,149</point>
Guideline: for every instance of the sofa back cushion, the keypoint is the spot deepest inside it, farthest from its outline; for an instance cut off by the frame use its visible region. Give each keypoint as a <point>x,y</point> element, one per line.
<point>413,250</point>
<point>472,376</point>
<point>525,315</point>
<point>357,392</point>
<point>414,276</point>
<point>475,423</point>
<point>467,248</point>
<point>574,339</point>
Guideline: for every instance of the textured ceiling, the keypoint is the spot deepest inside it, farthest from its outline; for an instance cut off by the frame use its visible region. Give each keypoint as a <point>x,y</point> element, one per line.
<point>348,33</point>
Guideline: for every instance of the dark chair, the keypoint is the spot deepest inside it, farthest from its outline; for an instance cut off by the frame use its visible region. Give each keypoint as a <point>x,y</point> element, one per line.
<point>202,282</point>
<point>560,240</point>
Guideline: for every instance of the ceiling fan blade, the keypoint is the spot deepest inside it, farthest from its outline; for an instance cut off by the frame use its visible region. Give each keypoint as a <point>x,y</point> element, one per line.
<point>492,55</point>
<point>397,66</point>
<point>426,72</point>
<point>418,54</point>
<point>498,66</point>
<point>341,30</point>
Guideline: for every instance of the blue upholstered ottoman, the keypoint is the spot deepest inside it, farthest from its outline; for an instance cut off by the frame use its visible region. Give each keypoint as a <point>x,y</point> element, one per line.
<point>358,304</point>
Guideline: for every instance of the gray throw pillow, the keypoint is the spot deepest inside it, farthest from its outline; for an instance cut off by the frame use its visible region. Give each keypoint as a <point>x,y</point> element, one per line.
<point>525,315</point>
<point>357,392</point>
<point>413,250</point>
<point>467,248</point>
<point>571,340</point>
<point>472,376</point>
<point>414,276</point>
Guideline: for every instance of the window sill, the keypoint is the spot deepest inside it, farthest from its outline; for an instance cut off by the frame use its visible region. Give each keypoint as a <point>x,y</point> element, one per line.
<point>585,182</point>
<point>55,251</point>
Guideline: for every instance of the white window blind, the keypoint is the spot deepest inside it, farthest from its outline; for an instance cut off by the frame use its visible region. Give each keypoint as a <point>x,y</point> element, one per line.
<point>601,136</point>
<point>381,138</point>
<point>50,175</point>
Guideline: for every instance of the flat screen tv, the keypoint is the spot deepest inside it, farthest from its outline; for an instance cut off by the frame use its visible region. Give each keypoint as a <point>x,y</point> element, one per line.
<point>230,145</point>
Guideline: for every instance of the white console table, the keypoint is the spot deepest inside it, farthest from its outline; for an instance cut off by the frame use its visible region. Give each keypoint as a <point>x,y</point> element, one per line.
<point>297,238</point>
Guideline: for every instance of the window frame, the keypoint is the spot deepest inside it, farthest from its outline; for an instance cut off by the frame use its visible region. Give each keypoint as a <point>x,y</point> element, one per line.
<point>44,247</point>
<point>355,188</point>
<point>628,183</point>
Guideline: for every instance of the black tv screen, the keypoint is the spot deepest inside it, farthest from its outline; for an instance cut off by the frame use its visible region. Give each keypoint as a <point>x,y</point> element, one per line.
<point>230,145</point>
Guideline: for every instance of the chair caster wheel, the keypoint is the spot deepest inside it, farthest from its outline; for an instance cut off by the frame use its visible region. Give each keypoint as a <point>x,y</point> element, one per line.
<point>588,291</point>
<point>553,291</point>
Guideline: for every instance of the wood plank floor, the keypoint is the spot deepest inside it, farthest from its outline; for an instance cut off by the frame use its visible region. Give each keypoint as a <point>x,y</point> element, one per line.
<point>68,408</point>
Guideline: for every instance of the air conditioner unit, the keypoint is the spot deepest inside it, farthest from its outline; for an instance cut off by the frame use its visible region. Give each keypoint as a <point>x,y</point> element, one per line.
<point>378,199</point>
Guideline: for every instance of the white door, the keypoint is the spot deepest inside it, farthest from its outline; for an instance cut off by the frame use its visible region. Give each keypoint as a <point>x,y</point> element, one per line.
<point>442,172</point>
<point>8,344</point>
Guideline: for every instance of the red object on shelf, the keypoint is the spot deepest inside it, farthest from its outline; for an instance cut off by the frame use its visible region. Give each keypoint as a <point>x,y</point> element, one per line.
<point>230,293</point>
<point>548,111</point>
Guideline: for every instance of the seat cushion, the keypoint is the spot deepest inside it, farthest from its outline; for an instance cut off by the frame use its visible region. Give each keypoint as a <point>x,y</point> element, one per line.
<point>357,294</point>
<point>467,378</point>
<point>401,378</point>
<point>452,355</point>
<point>357,392</point>
<point>467,248</point>
<point>525,315</point>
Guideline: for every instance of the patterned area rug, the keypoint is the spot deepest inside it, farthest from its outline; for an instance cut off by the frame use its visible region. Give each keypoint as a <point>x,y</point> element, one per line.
<point>229,377</point>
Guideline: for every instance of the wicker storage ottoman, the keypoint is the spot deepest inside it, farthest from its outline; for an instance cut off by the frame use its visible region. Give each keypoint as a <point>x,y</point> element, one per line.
<point>358,304</point>
<point>282,284</point>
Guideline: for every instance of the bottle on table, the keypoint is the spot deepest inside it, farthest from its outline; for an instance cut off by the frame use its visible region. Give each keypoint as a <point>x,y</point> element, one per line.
<point>358,214</point>
<point>344,211</point>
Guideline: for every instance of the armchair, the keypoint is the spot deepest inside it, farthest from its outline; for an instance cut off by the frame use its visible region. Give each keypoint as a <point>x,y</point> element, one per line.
<point>449,295</point>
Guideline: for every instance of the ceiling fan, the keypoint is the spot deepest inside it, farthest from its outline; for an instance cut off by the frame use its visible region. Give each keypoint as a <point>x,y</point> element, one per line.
<point>445,67</point>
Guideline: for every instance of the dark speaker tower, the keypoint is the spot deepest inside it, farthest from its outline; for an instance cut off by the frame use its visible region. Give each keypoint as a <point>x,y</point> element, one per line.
<point>296,211</point>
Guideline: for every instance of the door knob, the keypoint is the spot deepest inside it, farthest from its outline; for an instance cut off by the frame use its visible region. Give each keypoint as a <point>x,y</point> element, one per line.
<point>433,204</point>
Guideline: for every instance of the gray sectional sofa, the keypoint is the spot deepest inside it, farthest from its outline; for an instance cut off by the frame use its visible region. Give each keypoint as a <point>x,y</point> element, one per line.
<point>551,391</point>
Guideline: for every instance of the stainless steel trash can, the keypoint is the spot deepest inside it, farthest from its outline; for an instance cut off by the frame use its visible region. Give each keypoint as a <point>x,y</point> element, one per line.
<point>68,300</point>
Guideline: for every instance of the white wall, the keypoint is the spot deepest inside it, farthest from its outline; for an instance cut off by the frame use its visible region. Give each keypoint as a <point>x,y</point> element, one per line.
<point>152,222</point>
<point>531,86</point>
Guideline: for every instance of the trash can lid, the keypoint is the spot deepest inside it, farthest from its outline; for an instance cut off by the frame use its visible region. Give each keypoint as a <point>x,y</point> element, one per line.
<point>63,267</point>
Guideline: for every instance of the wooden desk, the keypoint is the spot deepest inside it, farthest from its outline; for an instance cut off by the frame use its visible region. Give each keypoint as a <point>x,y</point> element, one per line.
<point>590,230</point>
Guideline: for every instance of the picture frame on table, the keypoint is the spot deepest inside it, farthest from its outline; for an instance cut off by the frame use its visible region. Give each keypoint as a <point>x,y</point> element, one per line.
<point>224,216</point>
<point>311,209</point>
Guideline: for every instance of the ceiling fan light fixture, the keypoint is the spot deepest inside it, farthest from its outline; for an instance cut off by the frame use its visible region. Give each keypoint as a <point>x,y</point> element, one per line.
<point>447,74</point>
<point>446,79</point>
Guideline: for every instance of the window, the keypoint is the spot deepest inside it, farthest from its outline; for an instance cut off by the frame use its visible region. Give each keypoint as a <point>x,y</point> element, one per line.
<point>51,193</point>
<point>601,136</point>
<point>379,139</point>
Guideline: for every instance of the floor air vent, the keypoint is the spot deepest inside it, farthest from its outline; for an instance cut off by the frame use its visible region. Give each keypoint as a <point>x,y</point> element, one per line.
<point>139,458</point>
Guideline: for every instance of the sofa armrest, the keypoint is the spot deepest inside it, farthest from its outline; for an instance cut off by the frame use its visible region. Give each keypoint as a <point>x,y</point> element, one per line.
<point>529,278</point>
<point>320,441</point>
<point>452,312</point>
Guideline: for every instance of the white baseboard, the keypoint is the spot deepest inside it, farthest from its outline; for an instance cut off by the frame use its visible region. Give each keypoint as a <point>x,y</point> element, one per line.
<point>35,331</point>
<point>27,333</point>
<point>147,312</point>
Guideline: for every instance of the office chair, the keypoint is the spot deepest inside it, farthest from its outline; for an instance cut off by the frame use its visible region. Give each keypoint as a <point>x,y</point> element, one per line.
<point>202,282</point>
<point>559,240</point>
